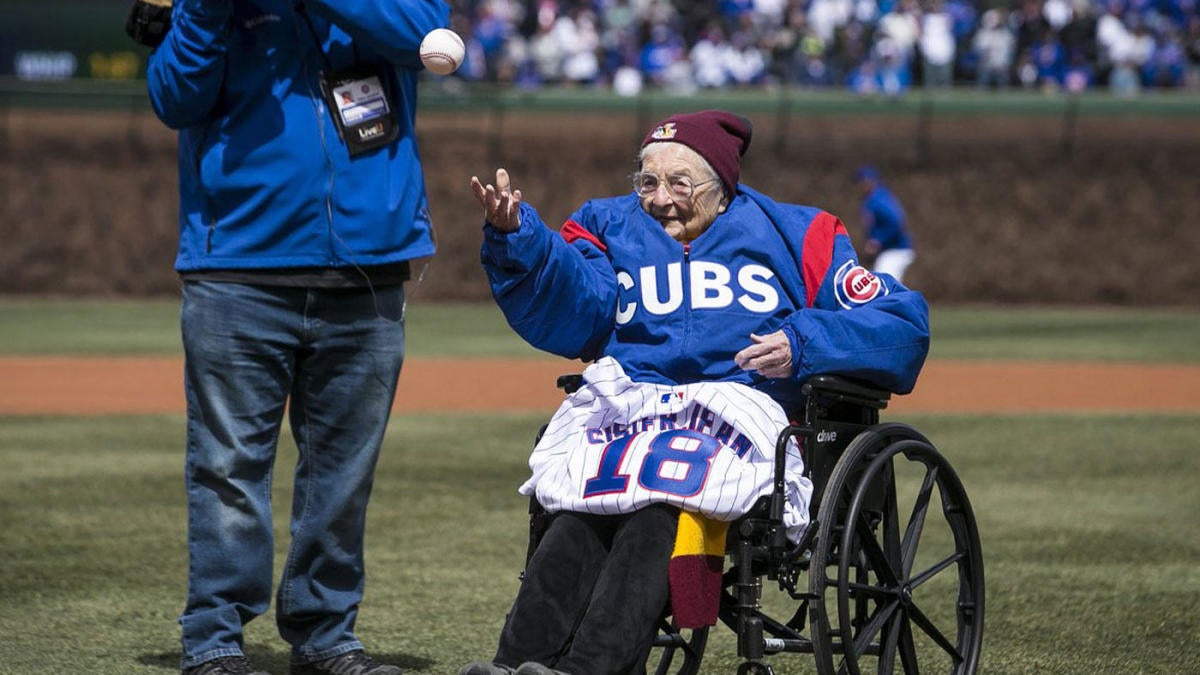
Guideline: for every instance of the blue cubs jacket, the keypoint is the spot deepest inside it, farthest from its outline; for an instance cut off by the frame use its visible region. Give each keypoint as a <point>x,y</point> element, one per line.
<point>885,219</point>
<point>265,182</point>
<point>613,283</point>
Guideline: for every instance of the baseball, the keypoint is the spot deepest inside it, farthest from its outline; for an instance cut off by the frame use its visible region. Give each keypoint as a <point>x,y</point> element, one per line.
<point>442,51</point>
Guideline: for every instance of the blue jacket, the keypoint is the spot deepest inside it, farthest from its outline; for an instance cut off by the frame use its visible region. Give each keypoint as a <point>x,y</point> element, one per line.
<point>613,283</point>
<point>264,180</point>
<point>885,220</point>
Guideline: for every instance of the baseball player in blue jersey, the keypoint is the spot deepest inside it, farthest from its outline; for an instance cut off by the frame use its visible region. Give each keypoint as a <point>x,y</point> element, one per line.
<point>886,224</point>
<point>690,278</point>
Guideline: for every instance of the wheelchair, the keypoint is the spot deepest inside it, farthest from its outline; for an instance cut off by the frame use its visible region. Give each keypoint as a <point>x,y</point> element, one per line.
<point>891,555</point>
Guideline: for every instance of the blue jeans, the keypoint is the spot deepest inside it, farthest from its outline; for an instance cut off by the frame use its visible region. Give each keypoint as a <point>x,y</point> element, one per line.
<point>331,358</point>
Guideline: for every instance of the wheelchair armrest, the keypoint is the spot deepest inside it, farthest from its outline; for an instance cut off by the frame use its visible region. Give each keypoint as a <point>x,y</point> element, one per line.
<point>838,388</point>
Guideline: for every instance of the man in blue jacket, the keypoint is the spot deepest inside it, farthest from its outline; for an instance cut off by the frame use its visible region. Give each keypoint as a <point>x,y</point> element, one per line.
<point>302,201</point>
<point>690,278</point>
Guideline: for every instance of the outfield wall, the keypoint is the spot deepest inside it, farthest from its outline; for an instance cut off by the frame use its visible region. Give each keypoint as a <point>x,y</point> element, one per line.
<point>1023,200</point>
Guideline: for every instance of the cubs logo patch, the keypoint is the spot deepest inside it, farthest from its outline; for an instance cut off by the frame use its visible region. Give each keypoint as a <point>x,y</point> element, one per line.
<point>664,132</point>
<point>855,285</point>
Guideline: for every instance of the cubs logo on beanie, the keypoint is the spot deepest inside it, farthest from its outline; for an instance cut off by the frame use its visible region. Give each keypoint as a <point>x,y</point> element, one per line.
<point>721,138</point>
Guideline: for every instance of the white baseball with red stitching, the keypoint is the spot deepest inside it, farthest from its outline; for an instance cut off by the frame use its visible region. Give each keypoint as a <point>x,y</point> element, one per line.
<point>442,51</point>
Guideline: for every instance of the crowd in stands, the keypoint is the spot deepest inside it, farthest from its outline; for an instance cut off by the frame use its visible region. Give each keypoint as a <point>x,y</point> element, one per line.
<point>868,46</point>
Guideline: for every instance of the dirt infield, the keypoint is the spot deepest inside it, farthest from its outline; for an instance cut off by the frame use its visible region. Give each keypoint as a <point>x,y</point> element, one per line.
<point>75,385</point>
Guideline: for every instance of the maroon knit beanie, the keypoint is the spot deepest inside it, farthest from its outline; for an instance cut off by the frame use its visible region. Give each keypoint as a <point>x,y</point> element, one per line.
<point>719,137</point>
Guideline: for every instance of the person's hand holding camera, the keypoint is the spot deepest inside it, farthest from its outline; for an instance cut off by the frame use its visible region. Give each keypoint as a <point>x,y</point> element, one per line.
<point>149,21</point>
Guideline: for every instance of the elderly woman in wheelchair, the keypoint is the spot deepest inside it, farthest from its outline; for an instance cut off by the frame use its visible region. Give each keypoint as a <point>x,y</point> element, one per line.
<point>704,307</point>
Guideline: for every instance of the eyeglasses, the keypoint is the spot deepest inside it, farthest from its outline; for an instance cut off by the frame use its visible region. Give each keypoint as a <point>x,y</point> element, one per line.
<point>678,187</point>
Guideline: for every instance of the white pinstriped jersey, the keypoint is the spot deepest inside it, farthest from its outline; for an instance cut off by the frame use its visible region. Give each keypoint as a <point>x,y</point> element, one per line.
<point>617,445</point>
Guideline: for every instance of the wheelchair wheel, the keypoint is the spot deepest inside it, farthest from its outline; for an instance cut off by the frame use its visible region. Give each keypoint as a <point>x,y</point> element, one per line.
<point>677,652</point>
<point>896,581</point>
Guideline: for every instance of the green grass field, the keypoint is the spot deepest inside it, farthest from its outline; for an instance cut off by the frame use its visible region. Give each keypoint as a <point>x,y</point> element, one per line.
<point>1088,522</point>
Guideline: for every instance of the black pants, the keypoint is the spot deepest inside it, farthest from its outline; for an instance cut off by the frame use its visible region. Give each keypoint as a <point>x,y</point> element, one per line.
<point>593,593</point>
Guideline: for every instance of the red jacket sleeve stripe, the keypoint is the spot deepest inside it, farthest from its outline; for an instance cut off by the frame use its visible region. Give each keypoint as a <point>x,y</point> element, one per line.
<point>572,230</point>
<point>818,252</point>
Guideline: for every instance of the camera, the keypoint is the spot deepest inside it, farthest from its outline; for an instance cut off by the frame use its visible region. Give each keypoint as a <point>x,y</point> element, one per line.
<point>149,21</point>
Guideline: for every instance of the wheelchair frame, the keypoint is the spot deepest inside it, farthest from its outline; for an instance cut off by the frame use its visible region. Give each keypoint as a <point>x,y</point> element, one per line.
<point>862,610</point>
<point>862,606</point>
